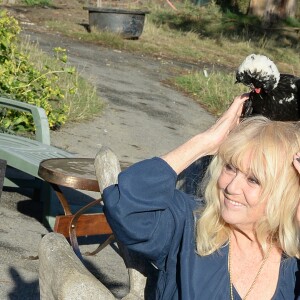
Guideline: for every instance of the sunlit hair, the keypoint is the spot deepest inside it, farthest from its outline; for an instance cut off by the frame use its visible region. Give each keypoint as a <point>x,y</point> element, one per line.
<point>272,146</point>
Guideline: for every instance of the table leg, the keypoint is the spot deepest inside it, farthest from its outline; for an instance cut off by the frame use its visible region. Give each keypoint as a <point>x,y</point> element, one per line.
<point>73,235</point>
<point>109,240</point>
<point>62,199</point>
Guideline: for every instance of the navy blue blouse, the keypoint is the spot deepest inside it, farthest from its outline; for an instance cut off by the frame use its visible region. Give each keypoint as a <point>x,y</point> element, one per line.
<point>149,215</point>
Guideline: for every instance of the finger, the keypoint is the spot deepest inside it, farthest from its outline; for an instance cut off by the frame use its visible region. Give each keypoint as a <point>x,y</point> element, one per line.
<point>231,117</point>
<point>241,99</point>
<point>236,107</point>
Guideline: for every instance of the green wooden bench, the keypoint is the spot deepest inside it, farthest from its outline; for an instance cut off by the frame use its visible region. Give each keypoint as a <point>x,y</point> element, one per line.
<point>25,155</point>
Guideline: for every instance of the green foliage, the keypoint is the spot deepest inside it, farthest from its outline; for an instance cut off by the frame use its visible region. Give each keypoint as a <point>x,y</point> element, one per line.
<point>37,2</point>
<point>20,80</point>
<point>80,95</point>
<point>234,5</point>
<point>292,22</point>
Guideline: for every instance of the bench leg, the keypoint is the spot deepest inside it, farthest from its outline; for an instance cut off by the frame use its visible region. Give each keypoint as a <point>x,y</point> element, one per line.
<point>41,191</point>
<point>2,174</point>
<point>51,205</point>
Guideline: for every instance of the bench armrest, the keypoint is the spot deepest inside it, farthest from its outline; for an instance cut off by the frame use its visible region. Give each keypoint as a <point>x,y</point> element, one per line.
<point>42,133</point>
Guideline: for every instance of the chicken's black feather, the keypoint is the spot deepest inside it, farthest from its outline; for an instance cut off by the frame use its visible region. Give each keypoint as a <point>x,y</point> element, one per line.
<point>280,103</point>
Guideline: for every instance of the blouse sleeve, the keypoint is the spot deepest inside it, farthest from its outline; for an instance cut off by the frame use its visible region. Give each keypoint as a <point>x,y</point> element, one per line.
<point>145,210</point>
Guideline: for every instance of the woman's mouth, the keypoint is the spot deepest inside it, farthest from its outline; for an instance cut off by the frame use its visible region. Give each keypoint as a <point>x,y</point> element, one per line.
<point>234,203</point>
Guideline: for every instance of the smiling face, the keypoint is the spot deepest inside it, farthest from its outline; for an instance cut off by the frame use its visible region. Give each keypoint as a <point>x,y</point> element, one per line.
<point>240,197</point>
<point>253,187</point>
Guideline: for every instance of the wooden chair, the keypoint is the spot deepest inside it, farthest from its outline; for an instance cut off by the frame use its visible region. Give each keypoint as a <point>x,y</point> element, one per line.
<point>63,276</point>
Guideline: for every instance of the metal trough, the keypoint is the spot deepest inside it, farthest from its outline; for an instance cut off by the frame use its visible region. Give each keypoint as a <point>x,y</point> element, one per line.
<point>128,23</point>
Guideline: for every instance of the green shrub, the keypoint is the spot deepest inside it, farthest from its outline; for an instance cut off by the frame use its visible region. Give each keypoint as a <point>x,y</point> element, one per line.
<point>20,80</point>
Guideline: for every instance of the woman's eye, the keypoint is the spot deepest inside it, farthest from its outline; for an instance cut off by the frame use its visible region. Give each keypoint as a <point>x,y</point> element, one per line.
<point>230,168</point>
<point>253,180</point>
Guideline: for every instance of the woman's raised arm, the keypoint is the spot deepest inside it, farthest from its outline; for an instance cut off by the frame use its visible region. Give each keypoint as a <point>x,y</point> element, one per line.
<point>207,142</point>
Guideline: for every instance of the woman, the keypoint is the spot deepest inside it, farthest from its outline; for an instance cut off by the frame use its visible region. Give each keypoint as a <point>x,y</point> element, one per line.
<point>242,240</point>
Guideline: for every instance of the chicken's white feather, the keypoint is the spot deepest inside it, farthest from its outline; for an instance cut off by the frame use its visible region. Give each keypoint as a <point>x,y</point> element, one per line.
<point>259,64</point>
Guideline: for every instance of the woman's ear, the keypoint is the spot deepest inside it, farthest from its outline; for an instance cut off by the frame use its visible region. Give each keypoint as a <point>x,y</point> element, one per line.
<point>298,213</point>
<point>296,163</point>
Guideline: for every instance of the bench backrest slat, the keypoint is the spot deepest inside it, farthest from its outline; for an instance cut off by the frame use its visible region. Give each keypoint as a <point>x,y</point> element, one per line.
<point>42,133</point>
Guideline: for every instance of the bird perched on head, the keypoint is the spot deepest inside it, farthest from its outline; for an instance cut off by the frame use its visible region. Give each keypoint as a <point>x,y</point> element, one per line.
<point>274,95</point>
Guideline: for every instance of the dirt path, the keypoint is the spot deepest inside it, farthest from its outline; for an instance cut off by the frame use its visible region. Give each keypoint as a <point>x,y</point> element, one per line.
<point>143,117</point>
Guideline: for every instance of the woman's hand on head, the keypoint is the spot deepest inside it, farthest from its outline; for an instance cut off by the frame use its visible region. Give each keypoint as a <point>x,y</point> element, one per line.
<point>207,142</point>
<point>296,163</point>
<point>231,117</point>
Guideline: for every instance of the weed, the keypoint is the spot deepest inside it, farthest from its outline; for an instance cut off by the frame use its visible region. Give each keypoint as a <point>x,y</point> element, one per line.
<point>80,95</point>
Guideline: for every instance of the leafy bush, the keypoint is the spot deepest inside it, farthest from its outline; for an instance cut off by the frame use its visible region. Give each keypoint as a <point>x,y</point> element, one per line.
<point>20,80</point>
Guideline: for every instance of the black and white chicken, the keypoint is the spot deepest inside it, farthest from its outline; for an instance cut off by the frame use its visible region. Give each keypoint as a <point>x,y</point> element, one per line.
<point>274,95</point>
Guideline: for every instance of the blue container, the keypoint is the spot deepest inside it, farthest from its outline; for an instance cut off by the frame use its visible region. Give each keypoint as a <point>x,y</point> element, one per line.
<point>128,23</point>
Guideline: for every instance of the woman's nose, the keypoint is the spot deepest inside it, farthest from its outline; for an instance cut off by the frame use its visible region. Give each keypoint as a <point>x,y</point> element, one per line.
<point>234,185</point>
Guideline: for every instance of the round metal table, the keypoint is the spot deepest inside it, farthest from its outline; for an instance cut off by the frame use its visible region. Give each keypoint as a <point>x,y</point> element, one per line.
<point>79,174</point>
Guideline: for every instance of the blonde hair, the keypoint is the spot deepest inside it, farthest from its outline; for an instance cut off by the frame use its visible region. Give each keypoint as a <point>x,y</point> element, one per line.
<point>272,145</point>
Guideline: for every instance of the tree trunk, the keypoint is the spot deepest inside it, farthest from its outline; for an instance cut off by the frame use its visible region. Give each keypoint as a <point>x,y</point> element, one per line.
<point>272,10</point>
<point>288,8</point>
<point>257,7</point>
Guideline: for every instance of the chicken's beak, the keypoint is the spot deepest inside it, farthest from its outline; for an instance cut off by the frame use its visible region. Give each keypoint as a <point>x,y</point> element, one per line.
<point>253,88</point>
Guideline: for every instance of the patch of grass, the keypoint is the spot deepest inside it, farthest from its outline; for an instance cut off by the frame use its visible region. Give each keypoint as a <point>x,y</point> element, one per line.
<point>83,100</point>
<point>37,2</point>
<point>85,104</point>
<point>292,22</point>
<point>214,90</point>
